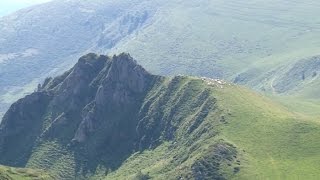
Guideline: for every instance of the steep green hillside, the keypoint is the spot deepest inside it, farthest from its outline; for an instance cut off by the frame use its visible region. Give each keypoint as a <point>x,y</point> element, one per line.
<point>108,118</point>
<point>278,144</point>
<point>271,142</point>
<point>8,173</point>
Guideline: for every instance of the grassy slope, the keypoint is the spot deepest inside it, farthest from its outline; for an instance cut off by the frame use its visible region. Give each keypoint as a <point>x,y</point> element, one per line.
<point>273,142</point>
<point>277,144</point>
<point>8,173</point>
<point>174,158</point>
<point>308,107</point>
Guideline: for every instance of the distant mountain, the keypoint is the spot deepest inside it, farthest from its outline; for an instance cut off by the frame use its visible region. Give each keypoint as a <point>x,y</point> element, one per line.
<point>249,42</point>
<point>46,39</point>
<point>242,41</point>
<point>108,118</point>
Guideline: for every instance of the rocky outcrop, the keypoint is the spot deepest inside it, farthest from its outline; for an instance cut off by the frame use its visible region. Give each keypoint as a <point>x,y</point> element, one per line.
<point>99,113</point>
<point>99,95</point>
<point>123,81</point>
<point>121,88</point>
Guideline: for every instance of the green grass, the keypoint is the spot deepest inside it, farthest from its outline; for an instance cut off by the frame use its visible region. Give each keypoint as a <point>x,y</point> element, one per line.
<point>55,159</point>
<point>301,105</point>
<point>277,144</point>
<point>9,173</point>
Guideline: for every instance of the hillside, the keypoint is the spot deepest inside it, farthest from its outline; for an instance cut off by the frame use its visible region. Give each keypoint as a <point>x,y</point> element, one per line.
<point>258,43</point>
<point>7,173</point>
<point>108,118</point>
<point>251,43</point>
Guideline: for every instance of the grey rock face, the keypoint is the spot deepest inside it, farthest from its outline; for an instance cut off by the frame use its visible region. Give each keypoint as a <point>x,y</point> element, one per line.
<point>123,74</point>
<point>122,86</point>
<point>91,110</point>
<point>100,94</point>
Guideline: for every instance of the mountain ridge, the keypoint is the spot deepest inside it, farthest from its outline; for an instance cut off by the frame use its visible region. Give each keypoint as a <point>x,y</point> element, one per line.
<point>108,118</point>
<point>115,115</point>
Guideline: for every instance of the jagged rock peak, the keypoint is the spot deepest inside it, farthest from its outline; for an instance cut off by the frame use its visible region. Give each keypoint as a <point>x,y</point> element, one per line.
<point>80,100</point>
<point>93,59</point>
<point>123,59</point>
<point>122,78</point>
<point>92,66</point>
<point>122,62</point>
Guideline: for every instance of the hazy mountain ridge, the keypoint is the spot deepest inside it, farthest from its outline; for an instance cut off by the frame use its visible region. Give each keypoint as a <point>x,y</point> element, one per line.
<point>184,37</point>
<point>230,39</point>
